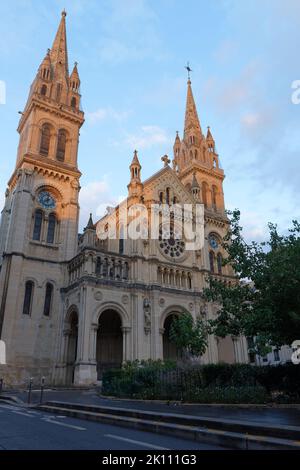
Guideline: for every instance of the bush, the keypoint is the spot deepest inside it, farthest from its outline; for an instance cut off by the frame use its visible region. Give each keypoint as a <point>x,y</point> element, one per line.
<point>211,383</point>
<point>230,394</point>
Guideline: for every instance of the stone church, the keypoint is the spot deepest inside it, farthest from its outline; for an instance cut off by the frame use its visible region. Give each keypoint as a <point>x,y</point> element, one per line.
<point>74,305</point>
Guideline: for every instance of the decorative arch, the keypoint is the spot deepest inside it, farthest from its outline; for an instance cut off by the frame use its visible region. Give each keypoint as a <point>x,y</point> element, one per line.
<point>68,316</point>
<point>111,306</point>
<point>62,137</point>
<point>173,309</point>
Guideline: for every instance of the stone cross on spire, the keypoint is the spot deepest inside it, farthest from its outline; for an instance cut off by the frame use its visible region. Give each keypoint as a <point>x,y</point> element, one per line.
<point>166,160</point>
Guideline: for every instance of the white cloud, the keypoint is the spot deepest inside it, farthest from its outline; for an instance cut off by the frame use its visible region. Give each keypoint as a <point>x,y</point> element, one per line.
<point>147,137</point>
<point>102,114</point>
<point>94,198</point>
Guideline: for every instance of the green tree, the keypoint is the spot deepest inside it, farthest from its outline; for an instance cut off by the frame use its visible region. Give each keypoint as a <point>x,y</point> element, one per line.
<point>189,335</point>
<point>264,302</point>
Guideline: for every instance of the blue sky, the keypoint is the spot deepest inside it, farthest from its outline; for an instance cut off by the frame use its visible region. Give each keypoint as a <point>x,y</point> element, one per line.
<point>131,54</point>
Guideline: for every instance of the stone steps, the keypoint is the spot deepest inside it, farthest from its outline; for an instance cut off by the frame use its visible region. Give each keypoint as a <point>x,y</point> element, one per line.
<point>232,434</point>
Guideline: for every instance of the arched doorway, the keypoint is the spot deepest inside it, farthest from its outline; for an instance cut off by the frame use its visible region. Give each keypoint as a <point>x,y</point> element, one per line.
<point>109,352</point>
<point>72,346</point>
<point>170,351</point>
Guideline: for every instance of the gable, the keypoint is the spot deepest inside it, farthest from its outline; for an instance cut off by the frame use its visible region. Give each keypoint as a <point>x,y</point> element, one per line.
<point>167,178</point>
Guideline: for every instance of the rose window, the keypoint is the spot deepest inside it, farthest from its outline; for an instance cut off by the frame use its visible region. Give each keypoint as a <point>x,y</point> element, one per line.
<point>170,242</point>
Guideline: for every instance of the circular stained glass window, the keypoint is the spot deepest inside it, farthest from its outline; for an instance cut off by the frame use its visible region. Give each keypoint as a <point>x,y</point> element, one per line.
<point>170,242</point>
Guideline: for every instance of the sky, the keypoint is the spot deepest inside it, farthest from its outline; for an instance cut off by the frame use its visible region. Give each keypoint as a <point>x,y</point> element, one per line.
<point>131,54</point>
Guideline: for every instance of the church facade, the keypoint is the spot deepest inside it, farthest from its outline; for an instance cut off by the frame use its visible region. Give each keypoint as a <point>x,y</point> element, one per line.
<point>74,305</point>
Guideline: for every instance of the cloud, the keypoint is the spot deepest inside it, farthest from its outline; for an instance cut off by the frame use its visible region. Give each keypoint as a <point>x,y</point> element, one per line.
<point>147,137</point>
<point>102,114</point>
<point>130,32</point>
<point>94,198</point>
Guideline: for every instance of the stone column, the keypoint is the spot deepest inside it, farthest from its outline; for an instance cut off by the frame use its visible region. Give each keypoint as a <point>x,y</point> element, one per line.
<point>126,343</point>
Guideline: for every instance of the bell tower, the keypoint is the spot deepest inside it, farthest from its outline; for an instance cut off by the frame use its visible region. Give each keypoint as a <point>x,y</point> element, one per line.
<point>39,223</point>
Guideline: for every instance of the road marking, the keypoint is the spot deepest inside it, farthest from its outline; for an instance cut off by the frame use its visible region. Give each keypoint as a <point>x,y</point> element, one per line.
<point>64,424</point>
<point>21,413</point>
<point>140,443</point>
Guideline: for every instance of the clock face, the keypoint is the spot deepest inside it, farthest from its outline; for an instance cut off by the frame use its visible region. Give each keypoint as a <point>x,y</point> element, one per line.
<point>46,200</point>
<point>170,243</point>
<point>213,242</point>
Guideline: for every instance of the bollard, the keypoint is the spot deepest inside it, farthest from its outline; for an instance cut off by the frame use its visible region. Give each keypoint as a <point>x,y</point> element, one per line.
<point>42,389</point>
<point>1,385</point>
<point>29,390</point>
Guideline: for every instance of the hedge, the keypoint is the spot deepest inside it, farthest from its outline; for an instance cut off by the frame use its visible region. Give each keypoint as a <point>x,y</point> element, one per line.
<point>212,383</point>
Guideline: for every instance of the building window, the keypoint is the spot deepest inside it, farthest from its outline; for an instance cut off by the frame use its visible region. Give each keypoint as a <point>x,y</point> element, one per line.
<point>220,263</point>
<point>161,197</point>
<point>168,196</point>
<point>28,298</point>
<point>44,90</point>
<point>61,145</point>
<point>58,92</point>
<point>212,261</point>
<point>51,228</point>
<point>73,103</point>
<point>38,221</point>
<point>214,197</point>
<point>276,355</point>
<point>121,240</point>
<point>98,265</point>
<point>45,140</point>
<point>204,194</point>
<point>48,299</point>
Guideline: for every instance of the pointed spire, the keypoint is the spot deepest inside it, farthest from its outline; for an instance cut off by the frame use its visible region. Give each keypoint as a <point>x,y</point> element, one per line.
<point>75,75</point>
<point>191,124</point>
<point>46,61</point>
<point>135,160</point>
<point>195,184</point>
<point>74,79</point>
<point>90,224</point>
<point>209,134</point>
<point>59,52</point>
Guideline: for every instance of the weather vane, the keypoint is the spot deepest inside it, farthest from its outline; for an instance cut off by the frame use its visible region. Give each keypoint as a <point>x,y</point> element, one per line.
<point>189,70</point>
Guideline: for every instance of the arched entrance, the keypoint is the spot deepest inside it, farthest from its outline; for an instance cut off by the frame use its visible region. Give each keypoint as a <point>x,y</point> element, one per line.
<point>109,352</point>
<point>72,346</point>
<point>170,352</point>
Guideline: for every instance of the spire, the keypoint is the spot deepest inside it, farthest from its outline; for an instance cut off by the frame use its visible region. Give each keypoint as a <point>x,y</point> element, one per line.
<point>46,61</point>
<point>74,79</point>
<point>135,186</point>
<point>59,52</point>
<point>135,160</point>
<point>192,126</point>
<point>195,188</point>
<point>195,184</point>
<point>210,140</point>
<point>90,224</point>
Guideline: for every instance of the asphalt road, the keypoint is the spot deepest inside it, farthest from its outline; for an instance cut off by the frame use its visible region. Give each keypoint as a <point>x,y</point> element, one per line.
<point>27,429</point>
<point>266,415</point>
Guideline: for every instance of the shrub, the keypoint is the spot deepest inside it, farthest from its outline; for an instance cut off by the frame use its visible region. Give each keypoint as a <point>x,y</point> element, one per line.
<point>211,383</point>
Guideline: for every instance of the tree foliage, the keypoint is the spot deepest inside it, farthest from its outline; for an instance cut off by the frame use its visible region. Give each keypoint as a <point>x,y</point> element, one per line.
<point>189,335</point>
<point>264,302</point>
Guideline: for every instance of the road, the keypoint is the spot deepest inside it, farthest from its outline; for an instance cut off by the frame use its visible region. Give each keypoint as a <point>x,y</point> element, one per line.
<point>265,415</point>
<point>23,428</point>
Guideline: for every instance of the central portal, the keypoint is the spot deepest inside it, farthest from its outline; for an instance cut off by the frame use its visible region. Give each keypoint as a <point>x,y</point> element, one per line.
<point>109,342</point>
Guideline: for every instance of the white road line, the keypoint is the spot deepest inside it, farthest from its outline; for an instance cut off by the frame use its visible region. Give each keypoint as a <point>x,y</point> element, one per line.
<point>140,443</point>
<point>24,414</point>
<point>64,424</point>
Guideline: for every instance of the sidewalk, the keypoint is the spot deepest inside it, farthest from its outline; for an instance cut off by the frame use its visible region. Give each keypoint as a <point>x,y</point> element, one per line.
<point>256,414</point>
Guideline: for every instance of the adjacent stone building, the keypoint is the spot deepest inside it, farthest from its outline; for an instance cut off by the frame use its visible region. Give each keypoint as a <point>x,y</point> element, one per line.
<point>72,306</point>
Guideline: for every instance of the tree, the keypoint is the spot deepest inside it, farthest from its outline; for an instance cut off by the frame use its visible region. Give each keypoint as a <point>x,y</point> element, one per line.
<point>264,302</point>
<point>189,335</point>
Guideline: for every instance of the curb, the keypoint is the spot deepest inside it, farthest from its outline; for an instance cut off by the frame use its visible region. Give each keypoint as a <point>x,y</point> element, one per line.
<point>204,433</point>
